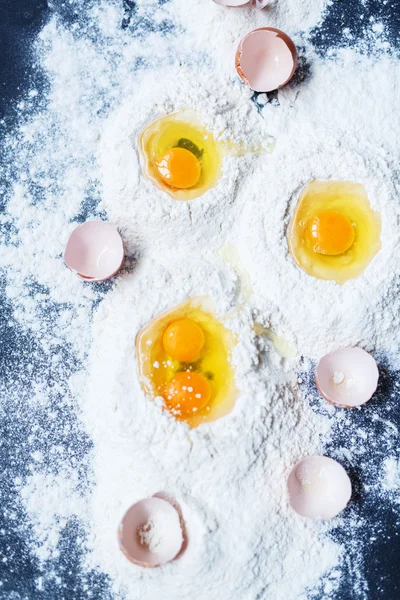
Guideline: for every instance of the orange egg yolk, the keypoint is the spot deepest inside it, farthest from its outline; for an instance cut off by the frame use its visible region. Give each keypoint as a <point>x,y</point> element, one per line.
<point>331,232</point>
<point>187,392</point>
<point>183,340</point>
<point>179,168</point>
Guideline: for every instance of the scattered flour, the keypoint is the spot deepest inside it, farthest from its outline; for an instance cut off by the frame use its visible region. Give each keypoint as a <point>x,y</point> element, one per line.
<point>80,148</point>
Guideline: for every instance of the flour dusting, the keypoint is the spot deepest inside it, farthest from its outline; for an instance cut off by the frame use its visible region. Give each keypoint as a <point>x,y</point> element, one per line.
<point>75,154</point>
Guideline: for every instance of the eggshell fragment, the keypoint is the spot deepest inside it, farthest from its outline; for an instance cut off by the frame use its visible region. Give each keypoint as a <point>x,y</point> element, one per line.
<point>259,4</point>
<point>266,59</point>
<point>319,488</point>
<point>232,3</point>
<point>94,251</point>
<point>157,521</point>
<point>347,377</point>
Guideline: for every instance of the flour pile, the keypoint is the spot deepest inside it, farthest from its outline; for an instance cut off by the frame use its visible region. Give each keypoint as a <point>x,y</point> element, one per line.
<point>337,119</point>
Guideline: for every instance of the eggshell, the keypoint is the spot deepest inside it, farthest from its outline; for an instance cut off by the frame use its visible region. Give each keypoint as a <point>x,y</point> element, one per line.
<point>347,377</point>
<point>136,517</point>
<point>266,59</point>
<point>319,488</point>
<point>232,3</point>
<point>94,251</point>
<point>259,4</point>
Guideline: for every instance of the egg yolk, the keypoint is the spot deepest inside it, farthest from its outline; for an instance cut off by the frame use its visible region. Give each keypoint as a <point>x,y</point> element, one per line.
<point>187,392</point>
<point>332,232</point>
<point>179,168</point>
<point>183,340</point>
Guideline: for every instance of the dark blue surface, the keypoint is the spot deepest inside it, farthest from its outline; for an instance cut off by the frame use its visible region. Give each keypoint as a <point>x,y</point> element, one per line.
<point>20,22</point>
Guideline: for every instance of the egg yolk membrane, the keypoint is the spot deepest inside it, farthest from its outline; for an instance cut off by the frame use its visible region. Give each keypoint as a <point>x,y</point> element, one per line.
<point>180,156</point>
<point>334,234</point>
<point>184,358</point>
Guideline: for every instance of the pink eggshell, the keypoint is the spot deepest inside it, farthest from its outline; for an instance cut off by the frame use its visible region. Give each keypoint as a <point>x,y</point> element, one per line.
<point>94,251</point>
<point>347,377</point>
<point>266,59</point>
<point>136,517</point>
<point>319,488</point>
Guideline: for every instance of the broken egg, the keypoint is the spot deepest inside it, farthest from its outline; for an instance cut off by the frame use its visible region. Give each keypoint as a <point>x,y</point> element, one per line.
<point>94,251</point>
<point>347,377</point>
<point>334,234</point>
<point>259,4</point>
<point>266,59</point>
<point>150,533</point>
<point>319,488</point>
<point>184,359</point>
<point>180,156</point>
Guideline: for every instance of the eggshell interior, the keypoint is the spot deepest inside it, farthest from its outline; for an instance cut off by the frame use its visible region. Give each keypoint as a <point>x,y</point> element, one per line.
<point>319,488</point>
<point>94,251</point>
<point>347,377</point>
<point>266,59</point>
<point>136,518</point>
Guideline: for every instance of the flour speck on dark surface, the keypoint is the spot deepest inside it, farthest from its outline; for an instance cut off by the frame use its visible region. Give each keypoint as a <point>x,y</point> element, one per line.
<point>45,336</point>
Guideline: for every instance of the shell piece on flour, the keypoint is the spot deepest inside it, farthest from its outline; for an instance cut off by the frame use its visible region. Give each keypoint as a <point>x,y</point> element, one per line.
<point>319,487</point>
<point>150,533</point>
<point>347,377</point>
<point>94,251</point>
<point>266,59</point>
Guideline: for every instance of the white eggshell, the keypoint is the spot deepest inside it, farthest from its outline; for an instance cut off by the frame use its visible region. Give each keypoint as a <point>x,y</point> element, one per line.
<point>319,488</point>
<point>266,59</point>
<point>232,3</point>
<point>94,251</point>
<point>259,4</point>
<point>168,522</point>
<point>347,377</point>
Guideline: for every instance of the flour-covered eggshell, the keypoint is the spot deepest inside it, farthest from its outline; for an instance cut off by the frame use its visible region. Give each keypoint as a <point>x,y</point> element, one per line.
<point>266,59</point>
<point>95,251</point>
<point>133,522</point>
<point>347,377</point>
<point>232,3</point>
<point>319,488</point>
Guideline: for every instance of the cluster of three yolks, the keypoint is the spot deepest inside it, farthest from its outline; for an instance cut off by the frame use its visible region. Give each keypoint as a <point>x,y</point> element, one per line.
<point>187,391</point>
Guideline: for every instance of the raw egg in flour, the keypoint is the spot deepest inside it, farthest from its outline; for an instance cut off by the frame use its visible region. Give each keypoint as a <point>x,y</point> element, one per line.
<point>334,234</point>
<point>180,156</point>
<point>184,358</point>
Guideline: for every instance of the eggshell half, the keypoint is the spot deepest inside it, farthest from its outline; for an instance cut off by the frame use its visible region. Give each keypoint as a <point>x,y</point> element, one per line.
<point>136,518</point>
<point>266,59</point>
<point>347,377</point>
<point>94,251</point>
<point>232,3</point>
<point>319,488</point>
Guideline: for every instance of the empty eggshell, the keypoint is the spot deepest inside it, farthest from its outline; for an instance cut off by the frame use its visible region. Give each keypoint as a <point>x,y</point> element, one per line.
<point>347,377</point>
<point>319,488</point>
<point>266,59</point>
<point>232,3</point>
<point>94,251</point>
<point>150,533</point>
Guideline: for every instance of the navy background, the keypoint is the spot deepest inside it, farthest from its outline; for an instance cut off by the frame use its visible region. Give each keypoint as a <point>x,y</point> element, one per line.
<point>20,22</point>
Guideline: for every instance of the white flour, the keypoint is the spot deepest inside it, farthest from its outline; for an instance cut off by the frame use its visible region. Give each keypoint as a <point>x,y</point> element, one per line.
<point>229,476</point>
